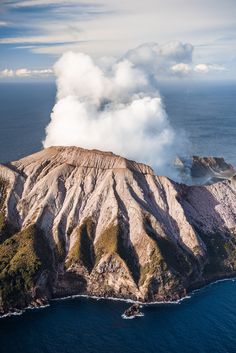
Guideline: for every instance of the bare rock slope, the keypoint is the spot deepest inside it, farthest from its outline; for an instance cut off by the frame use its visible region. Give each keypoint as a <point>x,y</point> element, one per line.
<point>74,221</point>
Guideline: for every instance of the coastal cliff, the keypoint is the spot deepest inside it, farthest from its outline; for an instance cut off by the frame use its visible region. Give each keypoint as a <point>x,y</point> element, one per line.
<point>75,221</point>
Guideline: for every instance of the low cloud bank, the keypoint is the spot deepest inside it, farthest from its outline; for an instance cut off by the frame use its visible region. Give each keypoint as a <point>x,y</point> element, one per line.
<point>171,60</point>
<point>9,73</point>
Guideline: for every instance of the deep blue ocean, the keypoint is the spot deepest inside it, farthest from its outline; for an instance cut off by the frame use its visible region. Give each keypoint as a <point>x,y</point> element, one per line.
<point>204,323</point>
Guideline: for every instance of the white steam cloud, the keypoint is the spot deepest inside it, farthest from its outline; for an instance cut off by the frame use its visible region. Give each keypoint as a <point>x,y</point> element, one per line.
<point>117,106</point>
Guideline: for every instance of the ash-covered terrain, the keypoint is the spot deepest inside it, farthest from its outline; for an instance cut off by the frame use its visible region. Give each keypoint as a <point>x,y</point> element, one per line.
<point>75,221</point>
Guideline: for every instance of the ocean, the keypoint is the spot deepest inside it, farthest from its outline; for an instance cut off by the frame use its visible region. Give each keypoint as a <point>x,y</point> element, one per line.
<point>203,323</point>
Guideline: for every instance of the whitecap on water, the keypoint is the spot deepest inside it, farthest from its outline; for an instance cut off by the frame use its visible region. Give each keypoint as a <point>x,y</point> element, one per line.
<point>131,317</point>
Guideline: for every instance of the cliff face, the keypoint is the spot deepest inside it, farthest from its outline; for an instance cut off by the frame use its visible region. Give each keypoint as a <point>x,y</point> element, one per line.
<point>74,221</point>
<point>211,168</point>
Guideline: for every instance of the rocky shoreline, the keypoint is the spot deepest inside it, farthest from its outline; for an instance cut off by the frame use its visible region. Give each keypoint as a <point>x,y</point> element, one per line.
<point>16,312</point>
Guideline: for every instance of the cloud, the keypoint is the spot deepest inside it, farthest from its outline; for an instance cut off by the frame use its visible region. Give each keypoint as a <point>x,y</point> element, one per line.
<point>48,23</point>
<point>181,69</point>
<point>3,24</point>
<point>37,39</point>
<point>108,27</point>
<point>173,59</point>
<point>30,3</point>
<point>9,73</point>
<point>115,106</point>
<point>206,68</point>
<point>196,21</point>
<point>161,57</point>
<point>58,49</point>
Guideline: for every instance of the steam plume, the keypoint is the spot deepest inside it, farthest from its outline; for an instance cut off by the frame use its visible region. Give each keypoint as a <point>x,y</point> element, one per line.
<point>115,107</point>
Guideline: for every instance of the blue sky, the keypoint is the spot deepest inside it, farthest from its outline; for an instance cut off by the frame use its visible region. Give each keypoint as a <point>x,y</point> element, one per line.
<point>34,33</point>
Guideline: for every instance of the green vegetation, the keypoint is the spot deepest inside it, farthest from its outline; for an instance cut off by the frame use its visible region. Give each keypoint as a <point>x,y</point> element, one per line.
<point>6,229</point>
<point>165,255</point>
<point>111,241</point>
<point>107,242</point>
<point>22,258</point>
<point>174,257</point>
<point>2,221</point>
<point>221,250</point>
<point>60,250</point>
<point>3,188</point>
<point>82,251</point>
<point>128,254</point>
<point>155,262</point>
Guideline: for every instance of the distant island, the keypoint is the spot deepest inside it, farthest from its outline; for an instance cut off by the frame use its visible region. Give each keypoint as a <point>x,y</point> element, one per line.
<point>75,221</point>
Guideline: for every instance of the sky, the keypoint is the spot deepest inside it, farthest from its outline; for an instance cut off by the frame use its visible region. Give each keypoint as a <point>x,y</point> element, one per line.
<point>35,33</point>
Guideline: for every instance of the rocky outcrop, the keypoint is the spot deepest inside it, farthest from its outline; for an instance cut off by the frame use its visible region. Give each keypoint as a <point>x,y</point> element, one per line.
<point>214,167</point>
<point>204,170</point>
<point>74,221</point>
<point>132,312</point>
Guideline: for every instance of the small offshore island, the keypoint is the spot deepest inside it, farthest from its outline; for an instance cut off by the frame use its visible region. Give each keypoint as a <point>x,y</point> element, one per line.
<point>75,221</point>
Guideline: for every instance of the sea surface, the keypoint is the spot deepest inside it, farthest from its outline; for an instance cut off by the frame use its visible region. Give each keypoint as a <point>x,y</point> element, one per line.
<point>203,323</point>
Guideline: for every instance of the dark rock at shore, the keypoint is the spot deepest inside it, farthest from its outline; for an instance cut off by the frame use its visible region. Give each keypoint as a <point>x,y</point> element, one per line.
<point>211,166</point>
<point>133,310</point>
<point>204,170</point>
